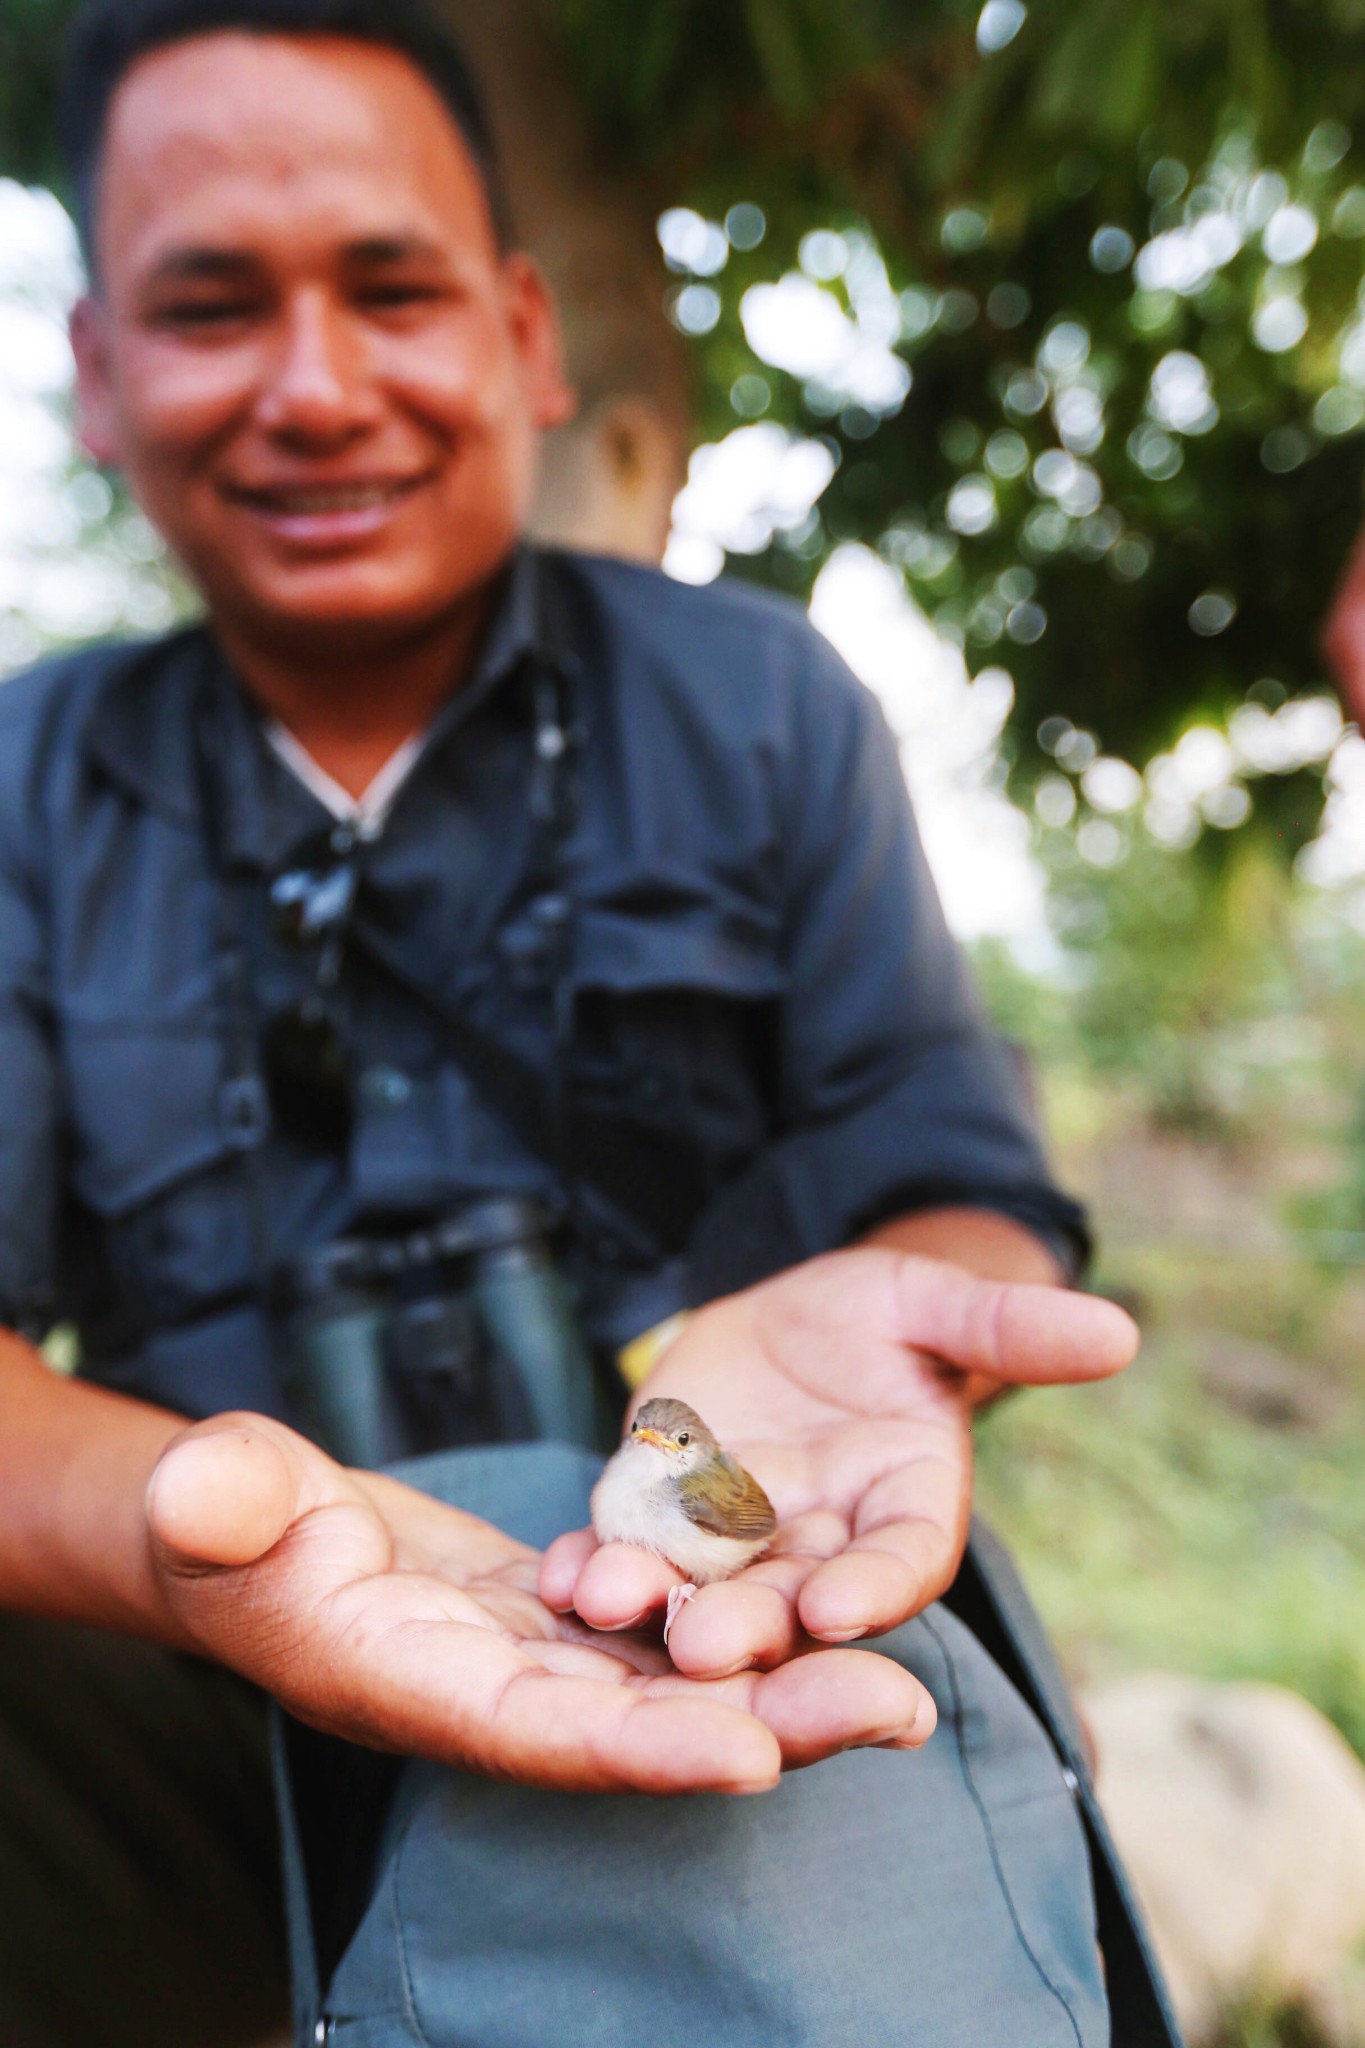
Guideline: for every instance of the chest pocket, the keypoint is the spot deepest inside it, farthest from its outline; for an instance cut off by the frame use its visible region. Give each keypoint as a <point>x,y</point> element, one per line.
<point>162,1191</point>
<point>673,1080</point>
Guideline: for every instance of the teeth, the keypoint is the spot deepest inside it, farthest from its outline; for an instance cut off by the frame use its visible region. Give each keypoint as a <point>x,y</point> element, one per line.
<point>355,498</point>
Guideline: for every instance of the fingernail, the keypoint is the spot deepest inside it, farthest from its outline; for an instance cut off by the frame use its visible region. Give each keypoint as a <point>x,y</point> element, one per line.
<point>921,1728</point>
<point>842,1635</point>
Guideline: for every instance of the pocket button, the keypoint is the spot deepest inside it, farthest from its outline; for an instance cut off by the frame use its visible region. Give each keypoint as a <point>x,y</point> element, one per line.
<point>385,1087</point>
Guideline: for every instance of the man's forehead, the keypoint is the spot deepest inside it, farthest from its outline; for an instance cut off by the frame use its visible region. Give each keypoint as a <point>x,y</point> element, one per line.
<point>265,127</point>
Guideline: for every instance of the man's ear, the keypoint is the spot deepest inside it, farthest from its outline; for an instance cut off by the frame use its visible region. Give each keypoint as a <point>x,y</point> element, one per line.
<point>96,411</point>
<point>540,341</point>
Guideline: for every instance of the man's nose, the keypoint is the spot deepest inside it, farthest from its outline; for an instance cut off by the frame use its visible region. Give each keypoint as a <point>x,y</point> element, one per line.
<point>318,388</point>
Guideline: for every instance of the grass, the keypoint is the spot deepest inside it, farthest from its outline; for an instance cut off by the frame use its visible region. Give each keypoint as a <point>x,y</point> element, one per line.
<point>1159,1528</point>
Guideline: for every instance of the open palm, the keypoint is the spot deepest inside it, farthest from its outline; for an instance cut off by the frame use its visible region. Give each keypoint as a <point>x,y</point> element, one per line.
<point>847,1387</point>
<point>378,1614</point>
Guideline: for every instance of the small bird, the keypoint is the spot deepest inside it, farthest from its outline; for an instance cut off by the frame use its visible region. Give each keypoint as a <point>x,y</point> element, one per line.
<point>673,1490</point>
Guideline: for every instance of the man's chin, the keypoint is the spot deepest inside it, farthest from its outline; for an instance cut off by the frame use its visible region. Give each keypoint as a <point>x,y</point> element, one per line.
<point>346,622</point>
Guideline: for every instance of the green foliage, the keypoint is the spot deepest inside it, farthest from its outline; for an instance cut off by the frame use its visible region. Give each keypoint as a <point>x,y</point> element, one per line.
<point>31,33</point>
<point>1213,996</point>
<point>1262,2023</point>
<point>1098,72</point>
<point>675,75</point>
<point>1177,957</point>
<point>1199,1058</point>
<point>1134,118</point>
<point>1159,1531</point>
<point>1047,512</point>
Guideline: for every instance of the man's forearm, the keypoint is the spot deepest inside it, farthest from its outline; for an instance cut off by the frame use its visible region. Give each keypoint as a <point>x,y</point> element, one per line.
<point>74,1466</point>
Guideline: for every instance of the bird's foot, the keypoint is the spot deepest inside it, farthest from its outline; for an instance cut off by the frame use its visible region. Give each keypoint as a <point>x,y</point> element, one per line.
<point>677,1600</point>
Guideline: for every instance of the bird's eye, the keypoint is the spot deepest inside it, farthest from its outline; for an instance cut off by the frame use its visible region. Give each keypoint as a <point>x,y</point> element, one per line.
<point>684,1436</point>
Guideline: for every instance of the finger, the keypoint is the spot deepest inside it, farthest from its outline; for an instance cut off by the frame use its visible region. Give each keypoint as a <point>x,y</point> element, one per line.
<point>736,1626</point>
<point>751,1622</point>
<point>222,1495</point>
<point>619,1585</point>
<point>644,1744</point>
<point>1030,1336</point>
<point>561,1567</point>
<point>876,1586</point>
<point>831,1700</point>
<point>909,1531</point>
<point>473,1699</point>
<point>585,1657</point>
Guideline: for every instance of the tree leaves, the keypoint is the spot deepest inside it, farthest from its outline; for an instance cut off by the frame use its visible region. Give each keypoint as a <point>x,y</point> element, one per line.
<point>31,37</point>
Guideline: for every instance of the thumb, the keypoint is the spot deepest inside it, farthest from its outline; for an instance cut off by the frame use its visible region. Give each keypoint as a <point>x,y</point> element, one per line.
<point>226,1492</point>
<point>1023,1334</point>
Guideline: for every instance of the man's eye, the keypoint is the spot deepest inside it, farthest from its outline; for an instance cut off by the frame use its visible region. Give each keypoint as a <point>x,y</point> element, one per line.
<point>389,297</point>
<point>206,312</point>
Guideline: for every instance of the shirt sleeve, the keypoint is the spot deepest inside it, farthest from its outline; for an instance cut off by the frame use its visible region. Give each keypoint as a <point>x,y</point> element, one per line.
<point>28,1104</point>
<point>894,1094</point>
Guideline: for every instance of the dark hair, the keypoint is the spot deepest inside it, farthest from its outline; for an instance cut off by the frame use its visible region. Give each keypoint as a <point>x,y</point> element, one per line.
<point>109,36</point>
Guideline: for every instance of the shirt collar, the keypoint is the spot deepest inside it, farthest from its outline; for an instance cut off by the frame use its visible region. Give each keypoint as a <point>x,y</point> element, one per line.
<point>144,731</point>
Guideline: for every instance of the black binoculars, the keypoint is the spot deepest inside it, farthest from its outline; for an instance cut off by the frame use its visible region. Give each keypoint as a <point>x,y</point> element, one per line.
<point>460,1332</point>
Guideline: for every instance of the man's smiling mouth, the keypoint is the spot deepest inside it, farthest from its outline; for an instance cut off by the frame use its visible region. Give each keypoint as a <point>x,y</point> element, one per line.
<point>321,501</point>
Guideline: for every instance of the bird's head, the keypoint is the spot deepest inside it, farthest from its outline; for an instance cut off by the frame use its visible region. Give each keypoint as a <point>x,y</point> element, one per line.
<point>675,1433</point>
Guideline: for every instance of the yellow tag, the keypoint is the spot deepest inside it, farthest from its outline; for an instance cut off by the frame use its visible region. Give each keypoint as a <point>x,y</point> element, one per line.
<point>636,1361</point>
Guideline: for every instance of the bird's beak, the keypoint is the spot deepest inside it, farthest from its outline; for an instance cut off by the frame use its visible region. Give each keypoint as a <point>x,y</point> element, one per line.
<point>651,1436</point>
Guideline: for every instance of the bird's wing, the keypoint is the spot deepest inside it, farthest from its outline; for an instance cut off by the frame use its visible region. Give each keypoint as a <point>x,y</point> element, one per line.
<point>728,1501</point>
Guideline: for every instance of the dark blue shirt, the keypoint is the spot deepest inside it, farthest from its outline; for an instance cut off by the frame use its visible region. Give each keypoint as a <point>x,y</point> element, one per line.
<point>764,1006</point>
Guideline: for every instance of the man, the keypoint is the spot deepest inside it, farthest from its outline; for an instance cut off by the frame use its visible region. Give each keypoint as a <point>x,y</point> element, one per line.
<point>298,912</point>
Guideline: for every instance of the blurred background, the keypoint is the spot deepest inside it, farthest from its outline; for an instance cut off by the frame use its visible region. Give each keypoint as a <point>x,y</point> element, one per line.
<point>1027,345</point>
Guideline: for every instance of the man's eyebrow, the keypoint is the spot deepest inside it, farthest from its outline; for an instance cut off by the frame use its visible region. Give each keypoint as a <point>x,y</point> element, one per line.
<point>195,265</point>
<point>205,264</point>
<point>374,251</point>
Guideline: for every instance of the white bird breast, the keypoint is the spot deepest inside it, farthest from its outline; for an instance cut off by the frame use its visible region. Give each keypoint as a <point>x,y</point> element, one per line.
<point>631,1505</point>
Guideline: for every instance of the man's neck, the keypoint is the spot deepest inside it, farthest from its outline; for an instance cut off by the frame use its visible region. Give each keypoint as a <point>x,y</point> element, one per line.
<point>352,707</point>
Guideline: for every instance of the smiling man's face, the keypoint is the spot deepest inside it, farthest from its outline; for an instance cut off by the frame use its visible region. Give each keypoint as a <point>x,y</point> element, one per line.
<point>322,378</point>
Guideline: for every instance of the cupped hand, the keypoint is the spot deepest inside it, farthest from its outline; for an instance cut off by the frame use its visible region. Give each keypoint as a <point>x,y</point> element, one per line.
<point>378,1614</point>
<point>847,1387</point>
